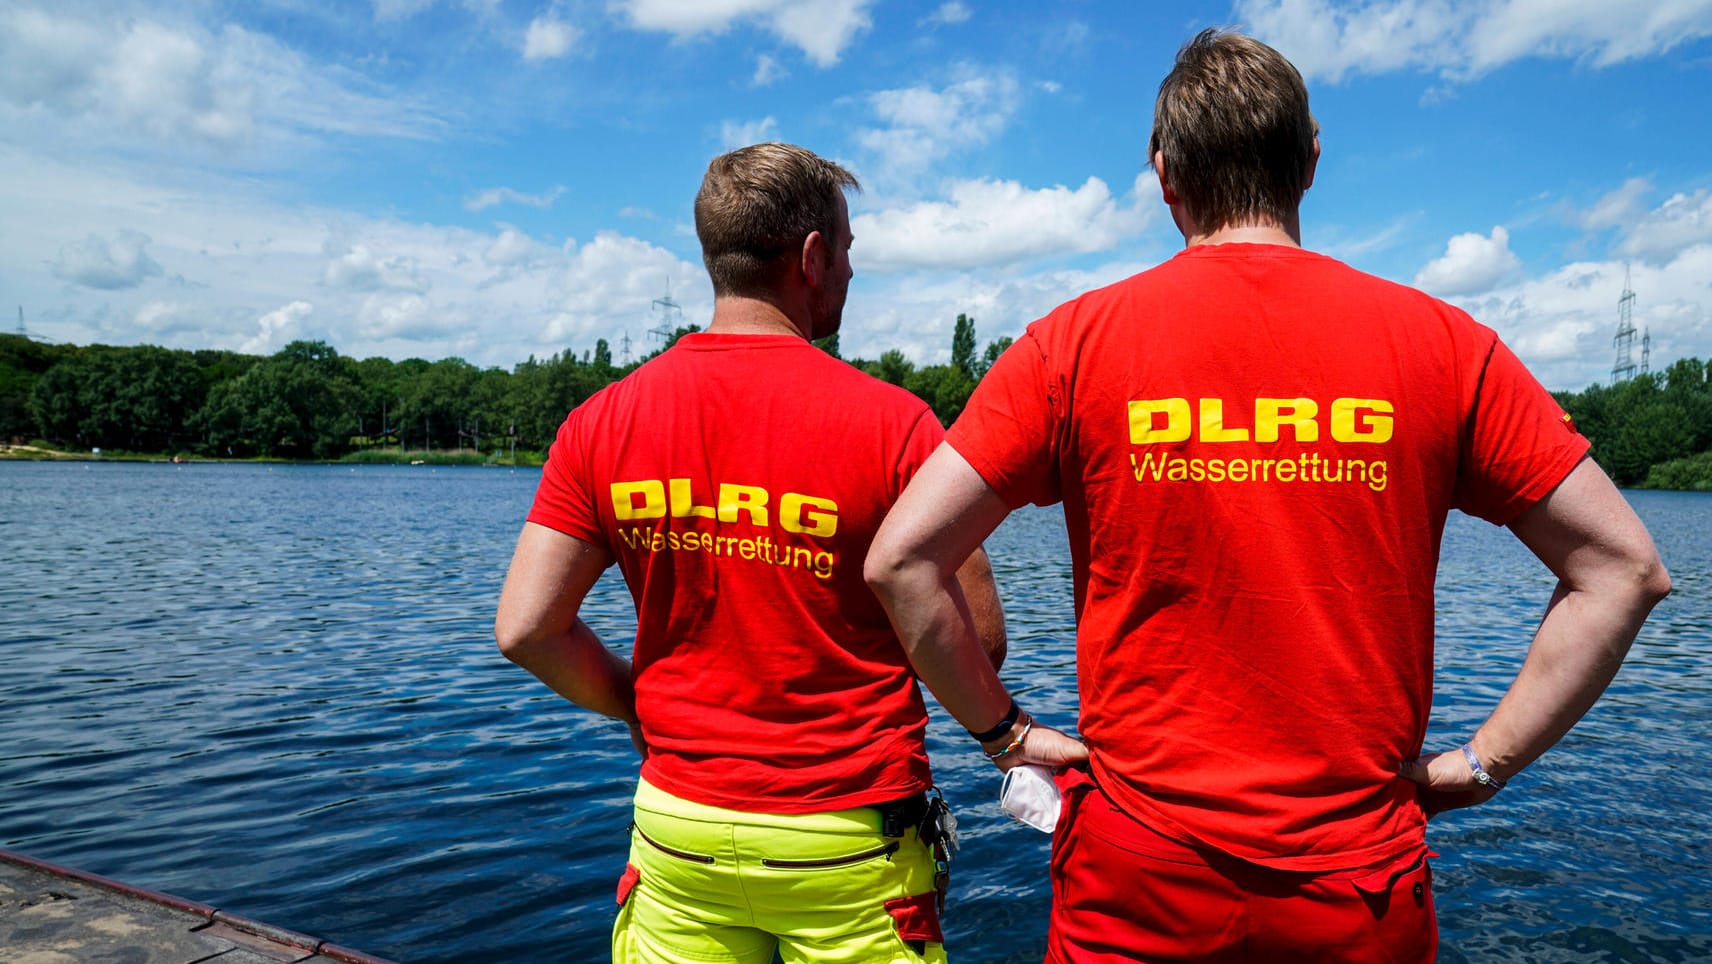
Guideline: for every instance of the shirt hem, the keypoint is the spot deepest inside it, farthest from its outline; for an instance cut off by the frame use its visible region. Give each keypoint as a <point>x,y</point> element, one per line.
<point>1137,806</point>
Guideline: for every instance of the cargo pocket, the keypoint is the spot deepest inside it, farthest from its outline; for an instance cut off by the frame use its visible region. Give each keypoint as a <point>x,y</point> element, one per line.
<point>671,851</point>
<point>917,920</point>
<point>825,863</point>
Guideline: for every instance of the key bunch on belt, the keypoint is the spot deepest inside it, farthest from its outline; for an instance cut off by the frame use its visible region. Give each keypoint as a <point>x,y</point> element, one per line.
<point>939,824</point>
<point>939,830</point>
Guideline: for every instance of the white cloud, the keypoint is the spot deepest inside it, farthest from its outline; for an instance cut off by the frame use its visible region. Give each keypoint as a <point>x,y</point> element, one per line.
<point>548,38</point>
<point>278,328</point>
<point>735,134</point>
<point>1625,205</point>
<point>162,318</point>
<point>924,125</point>
<point>512,248</point>
<point>97,262</point>
<point>482,200</point>
<point>357,268</point>
<point>1471,263</point>
<point>105,78</point>
<point>1326,40</point>
<point>821,29</point>
<point>1561,323</point>
<point>767,71</point>
<point>987,223</point>
<point>1603,33</point>
<point>917,315</point>
<point>1682,221</point>
<point>1461,39</point>
<point>409,317</point>
<point>398,288</point>
<point>947,14</point>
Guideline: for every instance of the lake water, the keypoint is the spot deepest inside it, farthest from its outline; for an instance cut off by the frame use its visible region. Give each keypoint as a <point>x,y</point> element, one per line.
<point>274,690</point>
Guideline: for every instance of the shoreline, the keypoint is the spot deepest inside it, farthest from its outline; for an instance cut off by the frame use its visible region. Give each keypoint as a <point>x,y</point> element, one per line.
<point>29,453</point>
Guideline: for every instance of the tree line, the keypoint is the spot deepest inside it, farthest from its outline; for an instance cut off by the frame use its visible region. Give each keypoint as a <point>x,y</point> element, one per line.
<point>307,401</point>
<point>1653,430</point>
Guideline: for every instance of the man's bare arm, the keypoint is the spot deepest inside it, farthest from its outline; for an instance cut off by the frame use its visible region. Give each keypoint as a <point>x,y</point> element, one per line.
<point>1609,578</point>
<point>975,577</point>
<point>537,626</point>
<point>941,519</point>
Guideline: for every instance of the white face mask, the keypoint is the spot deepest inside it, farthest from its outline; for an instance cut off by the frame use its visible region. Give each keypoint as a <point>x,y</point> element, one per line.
<point>1029,794</point>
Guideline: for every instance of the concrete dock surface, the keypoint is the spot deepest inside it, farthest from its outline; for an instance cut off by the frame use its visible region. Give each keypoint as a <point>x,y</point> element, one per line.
<point>55,915</point>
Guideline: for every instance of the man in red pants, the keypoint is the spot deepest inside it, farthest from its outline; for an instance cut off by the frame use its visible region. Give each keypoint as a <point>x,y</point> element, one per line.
<point>1256,448</point>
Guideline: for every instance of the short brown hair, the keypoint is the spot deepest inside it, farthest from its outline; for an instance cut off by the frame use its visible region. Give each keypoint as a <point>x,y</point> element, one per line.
<point>1233,123</point>
<point>755,207</point>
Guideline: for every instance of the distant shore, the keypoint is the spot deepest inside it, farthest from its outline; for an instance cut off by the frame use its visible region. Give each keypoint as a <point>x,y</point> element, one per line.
<point>36,453</point>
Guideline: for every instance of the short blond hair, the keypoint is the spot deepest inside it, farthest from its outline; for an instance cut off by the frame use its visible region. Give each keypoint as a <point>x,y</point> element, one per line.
<point>755,207</point>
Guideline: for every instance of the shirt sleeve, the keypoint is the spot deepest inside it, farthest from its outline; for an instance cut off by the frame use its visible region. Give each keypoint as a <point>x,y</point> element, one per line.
<point>924,436</point>
<point>1518,443</point>
<point>1009,430</point>
<point>563,501</point>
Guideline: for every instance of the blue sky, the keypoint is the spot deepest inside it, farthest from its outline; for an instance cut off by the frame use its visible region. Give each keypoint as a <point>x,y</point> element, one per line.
<point>494,179</point>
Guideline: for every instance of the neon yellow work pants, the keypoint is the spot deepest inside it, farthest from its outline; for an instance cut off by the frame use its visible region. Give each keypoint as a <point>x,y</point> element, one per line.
<point>706,884</point>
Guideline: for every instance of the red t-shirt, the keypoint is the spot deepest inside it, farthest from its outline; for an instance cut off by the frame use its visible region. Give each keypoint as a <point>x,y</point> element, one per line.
<point>738,480</point>
<point>1256,448</point>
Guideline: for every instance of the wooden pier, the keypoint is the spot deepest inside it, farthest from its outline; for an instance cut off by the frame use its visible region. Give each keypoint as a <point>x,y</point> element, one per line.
<point>54,915</point>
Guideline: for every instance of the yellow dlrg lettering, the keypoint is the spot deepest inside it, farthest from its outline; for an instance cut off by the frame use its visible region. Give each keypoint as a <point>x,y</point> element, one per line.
<point>1177,425</point>
<point>742,498</point>
<point>1298,414</point>
<point>683,502</point>
<point>808,514</point>
<point>1213,423</point>
<point>1348,425</point>
<point>650,492</point>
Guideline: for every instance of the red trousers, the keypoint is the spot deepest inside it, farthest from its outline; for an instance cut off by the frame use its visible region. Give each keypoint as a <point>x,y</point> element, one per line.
<point>1123,892</point>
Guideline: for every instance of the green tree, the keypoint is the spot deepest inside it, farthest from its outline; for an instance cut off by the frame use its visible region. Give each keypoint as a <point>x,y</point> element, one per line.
<point>963,345</point>
<point>132,398</point>
<point>434,402</point>
<point>602,354</point>
<point>893,367</point>
<point>945,388</point>
<point>298,403</point>
<point>995,348</point>
<point>1646,420</point>
<point>22,364</point>
<point>56,405</point>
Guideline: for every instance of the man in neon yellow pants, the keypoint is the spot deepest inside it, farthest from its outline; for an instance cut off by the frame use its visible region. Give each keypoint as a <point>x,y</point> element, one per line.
<point>737,480</point>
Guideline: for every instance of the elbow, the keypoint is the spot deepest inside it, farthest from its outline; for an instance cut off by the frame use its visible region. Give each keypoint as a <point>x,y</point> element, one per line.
<point>882,569</point>
<point>894,575</point>
<point>515,639</point>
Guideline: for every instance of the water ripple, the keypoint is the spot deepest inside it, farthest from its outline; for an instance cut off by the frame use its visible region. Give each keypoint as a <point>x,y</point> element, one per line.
<point>274,689</point>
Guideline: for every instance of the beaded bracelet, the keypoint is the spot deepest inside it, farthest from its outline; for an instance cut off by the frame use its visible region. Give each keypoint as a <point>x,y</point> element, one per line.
<point>1015,745</point>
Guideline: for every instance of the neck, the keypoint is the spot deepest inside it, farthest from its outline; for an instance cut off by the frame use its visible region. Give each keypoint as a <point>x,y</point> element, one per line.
<point>1289,234</point>
<point>753,316</point>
